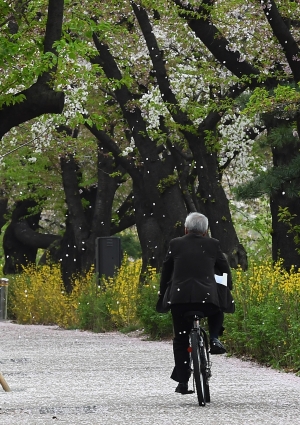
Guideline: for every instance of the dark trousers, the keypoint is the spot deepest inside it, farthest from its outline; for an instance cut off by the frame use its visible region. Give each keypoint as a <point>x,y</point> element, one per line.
<point>182,327</point>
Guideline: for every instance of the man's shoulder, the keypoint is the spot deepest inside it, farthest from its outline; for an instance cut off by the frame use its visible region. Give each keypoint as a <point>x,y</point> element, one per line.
<point>210,243</point>
<point>214,240</point>
<point>179,239</point>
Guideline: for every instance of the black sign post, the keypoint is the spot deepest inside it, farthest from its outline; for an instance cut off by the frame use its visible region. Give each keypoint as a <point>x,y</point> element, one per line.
<point>108,256</point>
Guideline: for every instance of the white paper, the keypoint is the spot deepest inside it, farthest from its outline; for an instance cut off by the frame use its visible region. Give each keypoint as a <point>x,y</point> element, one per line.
<point>222,280</point>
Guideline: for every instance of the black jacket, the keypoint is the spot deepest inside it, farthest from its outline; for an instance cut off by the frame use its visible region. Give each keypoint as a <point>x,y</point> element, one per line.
<point>190,266</point>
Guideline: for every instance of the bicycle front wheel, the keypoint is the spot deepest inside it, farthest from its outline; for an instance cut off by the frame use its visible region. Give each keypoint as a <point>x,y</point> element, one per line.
<point>199,377</point>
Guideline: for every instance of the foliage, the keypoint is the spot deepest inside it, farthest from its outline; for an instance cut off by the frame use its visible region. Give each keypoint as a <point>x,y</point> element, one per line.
<point>284,99</point>
<point>121,292</point>
<point>252,220</point>
<point>130,243</point>
<point>266,323</point>
<point>37,296</point>
<point>273,178</point>
<point>93,312</point>
<point>122,303</point>
<point>167,182</point>
<point>287,218</point>
<point>199,83</point>
<point>21,47</point>
<point>156,325</point>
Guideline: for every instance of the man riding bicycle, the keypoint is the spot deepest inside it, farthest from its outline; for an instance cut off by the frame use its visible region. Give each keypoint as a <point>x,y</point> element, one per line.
<point>189,267</point>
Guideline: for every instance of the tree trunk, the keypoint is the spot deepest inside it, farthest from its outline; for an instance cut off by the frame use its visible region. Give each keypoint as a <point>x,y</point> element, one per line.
<point>213,202</point>
<point>159,213</point>
<point>3,209</point>
<point>102,211</point>
<point>150,235</point>
<point>285,234</point>
<point>84,225</point>
<point>67,255</point>
<point>18,254</point>
<point>284,246</point>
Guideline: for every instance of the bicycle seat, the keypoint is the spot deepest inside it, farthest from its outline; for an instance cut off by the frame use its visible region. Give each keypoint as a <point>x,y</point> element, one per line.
<point>194,313</point>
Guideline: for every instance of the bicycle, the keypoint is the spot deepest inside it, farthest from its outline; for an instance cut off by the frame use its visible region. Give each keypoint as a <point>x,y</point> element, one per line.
<point>200,364</point>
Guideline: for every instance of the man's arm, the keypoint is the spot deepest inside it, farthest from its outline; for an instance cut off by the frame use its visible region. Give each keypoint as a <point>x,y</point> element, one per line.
<point>223,267</point>
<point>166,272</point>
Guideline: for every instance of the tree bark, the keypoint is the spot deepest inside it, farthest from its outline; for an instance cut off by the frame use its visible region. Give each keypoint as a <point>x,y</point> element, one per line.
<point>21,240</point>
<point>3,209</point>
<point>39,100</point>
<point>29,237</point>
<point>284,36</point>
<point>284,245</point>
<point>126,216</point>
<point>212,38</point>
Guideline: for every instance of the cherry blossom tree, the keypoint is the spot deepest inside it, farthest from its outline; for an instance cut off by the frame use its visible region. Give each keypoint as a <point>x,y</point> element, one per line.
<point>266,67</point>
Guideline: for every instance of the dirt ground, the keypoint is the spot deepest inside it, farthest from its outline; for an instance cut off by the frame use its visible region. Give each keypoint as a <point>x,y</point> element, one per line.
<point>73,377</point>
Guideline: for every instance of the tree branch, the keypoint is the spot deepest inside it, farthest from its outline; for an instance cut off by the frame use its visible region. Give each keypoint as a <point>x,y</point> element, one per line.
<point>40,98</point>
<point>130,110</point>
<point>112,147</point>
<point>70,182</point>
<point>30,237</point>
<point>126,215</point>
<point>283,35</point>
<point>200,23</point>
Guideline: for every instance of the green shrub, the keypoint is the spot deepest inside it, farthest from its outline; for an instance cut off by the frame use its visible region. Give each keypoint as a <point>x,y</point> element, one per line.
<point>93,311</point>
<point>130,243</point>
<point>111,303</point>
<point>156,325</point>
<point>266,323</point>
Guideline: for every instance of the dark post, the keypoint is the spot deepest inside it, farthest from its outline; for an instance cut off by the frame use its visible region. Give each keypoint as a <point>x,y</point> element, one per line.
<point>3,298</point>
<point>108,256</point>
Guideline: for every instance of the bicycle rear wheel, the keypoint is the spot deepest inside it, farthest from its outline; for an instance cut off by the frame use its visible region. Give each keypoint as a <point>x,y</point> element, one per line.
<point>199,376</point>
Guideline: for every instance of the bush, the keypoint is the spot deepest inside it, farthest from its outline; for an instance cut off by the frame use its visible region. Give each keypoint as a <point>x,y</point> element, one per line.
<point>112,303</point>
<point>266,323</point>
<point>37,296</point>
<point>122,294</point>
<point>155,325</point>
<point>93,312</point>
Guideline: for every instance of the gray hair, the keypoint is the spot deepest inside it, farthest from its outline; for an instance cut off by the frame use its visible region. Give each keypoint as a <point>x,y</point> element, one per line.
<point>196,223</point>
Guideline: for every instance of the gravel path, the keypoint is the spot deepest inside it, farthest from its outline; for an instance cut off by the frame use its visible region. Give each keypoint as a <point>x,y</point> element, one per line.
<point>74,377</point>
